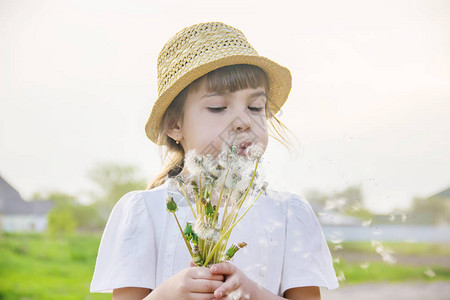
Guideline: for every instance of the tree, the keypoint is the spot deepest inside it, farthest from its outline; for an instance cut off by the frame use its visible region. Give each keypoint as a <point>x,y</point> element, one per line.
<point>61,221</point>
<point>435,210</point>
<point>317,197</point>
<point>353,198</point>
<point>114,180</point>
<point>61,218</point>
<point>68,214</point>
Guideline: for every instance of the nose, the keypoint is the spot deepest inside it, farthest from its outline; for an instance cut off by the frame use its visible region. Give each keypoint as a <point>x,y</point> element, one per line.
<point>242,122</point>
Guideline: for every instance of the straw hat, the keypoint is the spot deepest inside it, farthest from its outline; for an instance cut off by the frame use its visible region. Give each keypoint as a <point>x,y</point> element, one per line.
<point>200,49</point>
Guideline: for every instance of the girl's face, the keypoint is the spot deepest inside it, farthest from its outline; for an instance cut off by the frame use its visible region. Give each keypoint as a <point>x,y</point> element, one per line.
<point>212,119</point>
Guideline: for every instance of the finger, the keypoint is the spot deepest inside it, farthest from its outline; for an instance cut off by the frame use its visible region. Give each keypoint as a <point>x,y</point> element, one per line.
<point>204,286</point>
<point>201,296</point>
<point>223,268</point>
<point>204,273</point>
<point>191,264</point>
<point>229,286</point>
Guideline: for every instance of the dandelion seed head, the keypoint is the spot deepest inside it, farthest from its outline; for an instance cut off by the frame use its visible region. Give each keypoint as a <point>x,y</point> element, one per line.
<point>256,151</point>
<point>191,162</point>
<point>205,232</point>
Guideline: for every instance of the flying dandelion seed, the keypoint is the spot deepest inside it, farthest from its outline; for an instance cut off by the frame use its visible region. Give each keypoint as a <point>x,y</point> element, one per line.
<point>377,232</point>
<point>237,294</point>
<point>386,254</point>
<point>336,241</point>
<point>367,223</point>
<point>403,218</point>
<point>365,266</point>
<point>337,260</point>
<point>355,208</point>
<point>430,273</point>
<point>411,241</point>
<point>338,247</point>
<point>329,205</point>
<point>341,276</point>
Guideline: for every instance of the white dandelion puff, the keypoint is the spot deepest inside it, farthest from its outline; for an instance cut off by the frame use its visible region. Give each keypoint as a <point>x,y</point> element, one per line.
<point>205,232</point>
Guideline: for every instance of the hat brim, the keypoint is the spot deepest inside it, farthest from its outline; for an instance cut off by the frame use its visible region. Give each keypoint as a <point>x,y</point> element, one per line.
<point>280,82</point>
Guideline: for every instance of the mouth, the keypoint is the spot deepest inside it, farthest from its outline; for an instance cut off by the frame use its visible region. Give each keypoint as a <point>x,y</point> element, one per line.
<point>243,148</point>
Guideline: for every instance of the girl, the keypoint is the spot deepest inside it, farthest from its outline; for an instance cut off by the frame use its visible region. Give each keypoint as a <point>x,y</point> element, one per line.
<point>214,89</point>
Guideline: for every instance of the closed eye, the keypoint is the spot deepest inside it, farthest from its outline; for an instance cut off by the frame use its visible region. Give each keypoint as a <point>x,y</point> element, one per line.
<point>216,109</point>
<point>255,108</point>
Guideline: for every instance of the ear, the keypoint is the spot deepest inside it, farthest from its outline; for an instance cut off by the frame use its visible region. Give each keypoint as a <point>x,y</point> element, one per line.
<point>173,129</point>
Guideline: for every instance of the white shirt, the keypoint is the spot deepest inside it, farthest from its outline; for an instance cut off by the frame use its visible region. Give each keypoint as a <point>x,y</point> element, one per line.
<point>143,247</point>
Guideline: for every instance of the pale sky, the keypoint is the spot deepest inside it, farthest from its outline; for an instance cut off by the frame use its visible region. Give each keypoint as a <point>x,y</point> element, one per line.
<point>370,103</point>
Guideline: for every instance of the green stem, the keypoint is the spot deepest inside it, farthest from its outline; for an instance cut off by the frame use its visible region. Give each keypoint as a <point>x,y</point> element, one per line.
<point>220,199</point>
<point>184,238</point>
<point>189,202</point>
<point>229,229</point>
<point>225,211</point>
<point>248,188</point>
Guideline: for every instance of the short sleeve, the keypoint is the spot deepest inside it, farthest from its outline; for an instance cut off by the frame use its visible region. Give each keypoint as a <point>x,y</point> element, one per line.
<point>307,259</point>
<point>126,256</point>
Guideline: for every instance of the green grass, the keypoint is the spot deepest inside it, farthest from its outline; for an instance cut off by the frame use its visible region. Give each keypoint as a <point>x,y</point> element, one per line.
<point>34,266</point>
<point>402,248</point>
<point>378,271</point>
<point>381,272</point>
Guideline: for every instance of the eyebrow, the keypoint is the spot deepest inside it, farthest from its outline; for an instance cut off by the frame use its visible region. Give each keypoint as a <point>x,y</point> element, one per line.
<point>213,94</point>
<point>258,94</point>
<point>252,95</point>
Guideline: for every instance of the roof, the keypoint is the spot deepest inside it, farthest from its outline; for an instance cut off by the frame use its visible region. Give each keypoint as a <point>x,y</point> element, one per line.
<point>443,194</point>
<point>11,203</point>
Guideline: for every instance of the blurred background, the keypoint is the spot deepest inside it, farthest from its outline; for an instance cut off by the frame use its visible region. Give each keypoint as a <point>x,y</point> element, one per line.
<point>369,112</point>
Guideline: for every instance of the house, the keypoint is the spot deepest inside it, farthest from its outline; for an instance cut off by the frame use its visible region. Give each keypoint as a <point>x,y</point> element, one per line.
<point>445,194</point>
<point>19,215</point>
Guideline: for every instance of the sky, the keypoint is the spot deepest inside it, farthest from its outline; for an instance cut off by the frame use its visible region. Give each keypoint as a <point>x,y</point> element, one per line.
<point>369,106</point>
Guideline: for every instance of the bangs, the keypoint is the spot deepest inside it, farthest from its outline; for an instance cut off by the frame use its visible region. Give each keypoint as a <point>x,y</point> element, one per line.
<point>236,77</point>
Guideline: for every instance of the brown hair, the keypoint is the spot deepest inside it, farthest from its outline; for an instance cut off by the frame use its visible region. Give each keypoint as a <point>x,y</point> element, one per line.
<point>229,78</point>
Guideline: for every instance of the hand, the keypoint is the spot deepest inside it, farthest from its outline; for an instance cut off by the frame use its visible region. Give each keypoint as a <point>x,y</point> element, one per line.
<point>191,283</point>
<point>236,285</point>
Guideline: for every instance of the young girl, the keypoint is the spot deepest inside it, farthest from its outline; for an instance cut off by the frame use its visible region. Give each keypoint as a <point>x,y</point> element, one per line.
<point>214,89</point>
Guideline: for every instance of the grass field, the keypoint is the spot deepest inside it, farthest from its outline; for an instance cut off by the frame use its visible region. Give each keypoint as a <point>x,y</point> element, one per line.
<point>35,266</point>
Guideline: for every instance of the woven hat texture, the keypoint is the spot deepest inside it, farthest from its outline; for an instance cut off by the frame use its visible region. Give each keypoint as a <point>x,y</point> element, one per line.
<point>200,49</point>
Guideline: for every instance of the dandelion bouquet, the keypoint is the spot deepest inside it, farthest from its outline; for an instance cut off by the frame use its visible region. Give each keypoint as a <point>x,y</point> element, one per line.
<point>230,181</point>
